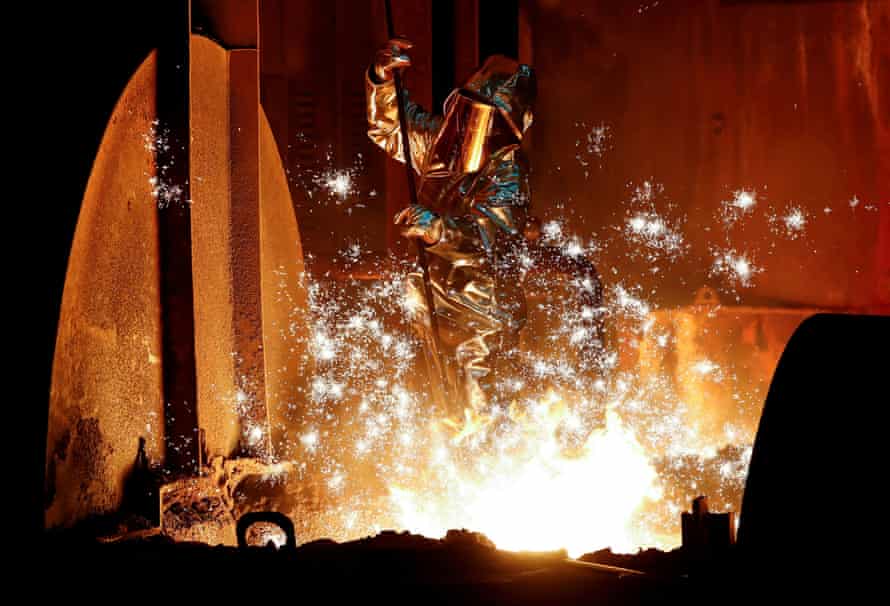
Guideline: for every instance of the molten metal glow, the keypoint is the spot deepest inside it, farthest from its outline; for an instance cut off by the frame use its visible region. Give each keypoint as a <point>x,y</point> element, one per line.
<point>596,451</point>
<point>540,497</point>
<point>260,534</point>
<point>591,454</point>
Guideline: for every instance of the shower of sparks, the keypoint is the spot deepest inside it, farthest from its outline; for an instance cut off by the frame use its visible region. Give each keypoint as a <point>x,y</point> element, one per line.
<point>593,146</point>
<point>352,253</point>
<point>744,199</point>
<point>552,232</point>
<point>795,220</point>
<point>593,451</point>
<point>157,139</point>
<point>742,204</point>
<point>651,229</point>
<point>708,369</point>
<point>647,192</point>
<point>378,454</point>
<point>254,435</point>
<point>626,303</point>
<point>329,181</point>
<point>735,268</point>
<point>704,367</point>
<point>790,223</point>
<point>655,235</point>
<point>163,189</point>
<point>339,183</point>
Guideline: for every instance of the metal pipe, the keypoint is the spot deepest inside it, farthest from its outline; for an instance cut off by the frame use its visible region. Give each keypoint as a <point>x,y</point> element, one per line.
<point>412,192</point>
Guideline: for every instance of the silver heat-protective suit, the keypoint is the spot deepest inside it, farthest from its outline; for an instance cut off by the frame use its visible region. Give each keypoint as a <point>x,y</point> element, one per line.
<point>474,178</point>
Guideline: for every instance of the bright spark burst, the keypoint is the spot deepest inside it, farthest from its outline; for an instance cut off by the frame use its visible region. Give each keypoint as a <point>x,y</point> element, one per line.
<point>653,233</point>
<point>530,474</point>
<point>795,221</point>
<point>540,499</point>
<point>649,227</point>
<point>791,223</point>
<point>339,183</point>
<point>744,200</point>
<point>705,367</point>
<point>742,204</point>
<point>330,181</point>
<point>735,268</point>
<point>630,304</point>
<point>552,232</point>
<point>593,146</point>
<point>164,189</point>
<point>255,435</point>
<point>570,436</point>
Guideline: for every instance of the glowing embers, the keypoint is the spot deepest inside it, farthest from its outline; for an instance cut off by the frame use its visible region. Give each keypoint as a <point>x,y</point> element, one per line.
<point>264,534</point>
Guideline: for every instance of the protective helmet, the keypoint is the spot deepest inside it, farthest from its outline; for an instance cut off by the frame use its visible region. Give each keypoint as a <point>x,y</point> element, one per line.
<point>492,110</point>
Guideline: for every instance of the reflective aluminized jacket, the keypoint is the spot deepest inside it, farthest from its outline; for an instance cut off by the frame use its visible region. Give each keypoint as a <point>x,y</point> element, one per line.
<point>474,267</point>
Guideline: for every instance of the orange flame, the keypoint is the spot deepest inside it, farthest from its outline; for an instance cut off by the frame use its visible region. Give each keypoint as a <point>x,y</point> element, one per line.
<point>526,492</point>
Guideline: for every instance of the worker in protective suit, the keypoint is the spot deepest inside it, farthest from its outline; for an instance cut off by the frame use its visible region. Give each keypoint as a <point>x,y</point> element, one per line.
<point>473,202</point>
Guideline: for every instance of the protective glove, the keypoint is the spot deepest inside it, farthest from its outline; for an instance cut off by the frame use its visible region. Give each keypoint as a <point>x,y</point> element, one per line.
<point>420,222</point>
<point>390,57</point>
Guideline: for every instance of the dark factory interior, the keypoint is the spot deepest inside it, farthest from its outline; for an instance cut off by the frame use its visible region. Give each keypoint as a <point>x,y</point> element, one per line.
<point>245,368</point>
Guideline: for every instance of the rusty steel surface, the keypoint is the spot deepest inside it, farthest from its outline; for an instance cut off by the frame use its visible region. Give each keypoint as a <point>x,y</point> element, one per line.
<point>107,389</point>
<point>107,384</point>
<point>212,241</point>
<point>244,124</point>
<point>284,301</point>
<point>787,98</point>
<point>720,363</point>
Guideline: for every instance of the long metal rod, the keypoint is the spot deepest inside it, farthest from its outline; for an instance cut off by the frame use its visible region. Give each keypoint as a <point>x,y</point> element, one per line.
<point>412,192</point>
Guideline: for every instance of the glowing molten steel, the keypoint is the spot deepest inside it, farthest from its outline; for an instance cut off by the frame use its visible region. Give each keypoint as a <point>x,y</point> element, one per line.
<point>601,449</point>
<point>533,494</point>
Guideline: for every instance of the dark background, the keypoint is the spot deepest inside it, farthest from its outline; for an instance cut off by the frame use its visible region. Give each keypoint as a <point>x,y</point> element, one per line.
<point>77,59</point>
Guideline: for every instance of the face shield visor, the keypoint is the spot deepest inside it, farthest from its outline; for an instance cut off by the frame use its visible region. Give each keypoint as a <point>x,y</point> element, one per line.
<point>472,129</point>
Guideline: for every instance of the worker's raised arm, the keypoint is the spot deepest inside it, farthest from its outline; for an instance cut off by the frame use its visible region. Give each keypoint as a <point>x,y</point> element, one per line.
<point>383,107</point>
